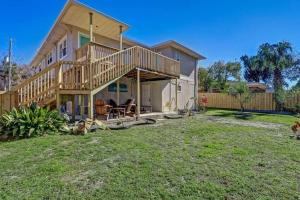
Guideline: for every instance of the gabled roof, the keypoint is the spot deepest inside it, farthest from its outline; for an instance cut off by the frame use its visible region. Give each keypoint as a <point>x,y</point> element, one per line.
<point>76,14</point>
<point>132,42</point>
<point>176,45</point>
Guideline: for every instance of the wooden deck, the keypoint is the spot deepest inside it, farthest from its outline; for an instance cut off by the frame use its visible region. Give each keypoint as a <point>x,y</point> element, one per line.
<point>96,67</point>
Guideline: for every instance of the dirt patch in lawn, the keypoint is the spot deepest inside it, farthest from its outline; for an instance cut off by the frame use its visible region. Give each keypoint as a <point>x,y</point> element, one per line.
<point>245,123</point>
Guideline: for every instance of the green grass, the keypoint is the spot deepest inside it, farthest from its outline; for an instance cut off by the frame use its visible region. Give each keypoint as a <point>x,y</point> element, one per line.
<point>252,116</point>
<point>190,158</point>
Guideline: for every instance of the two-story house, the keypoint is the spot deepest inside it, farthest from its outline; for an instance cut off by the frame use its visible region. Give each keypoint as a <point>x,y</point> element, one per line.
<point>85,59</point>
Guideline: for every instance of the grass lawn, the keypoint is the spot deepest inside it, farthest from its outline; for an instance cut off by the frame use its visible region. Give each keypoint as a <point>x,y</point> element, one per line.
<point>260,117</point>
<point>192,158</point>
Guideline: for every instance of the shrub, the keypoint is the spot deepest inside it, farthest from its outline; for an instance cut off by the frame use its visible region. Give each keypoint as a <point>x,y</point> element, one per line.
<point>30,122</point>
<point>241,92</point>
<point>297,108</point>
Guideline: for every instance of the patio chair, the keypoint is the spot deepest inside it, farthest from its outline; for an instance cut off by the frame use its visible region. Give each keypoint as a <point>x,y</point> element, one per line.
<point>102,109</point>
<point>129,107</point>
<point>112,103</point>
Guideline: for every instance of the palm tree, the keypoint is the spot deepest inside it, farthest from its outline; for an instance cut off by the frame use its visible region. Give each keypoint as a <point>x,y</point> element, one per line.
<point>277,59</point>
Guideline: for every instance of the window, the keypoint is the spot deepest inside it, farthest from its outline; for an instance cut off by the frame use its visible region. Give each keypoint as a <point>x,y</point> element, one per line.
<point>39,67</point>
<point>179,87</point>
<point>63,48</point>
<point>176,56</point>
<point>49,58</point>
<point>83,39</point>
<point>113,87</point>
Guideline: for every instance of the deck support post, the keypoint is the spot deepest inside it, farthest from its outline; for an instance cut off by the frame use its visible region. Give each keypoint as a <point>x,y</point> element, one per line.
<point>118,92</point>
<point>91,106</point>
<point>91,55</point>
<point>176,94</point>
<point>91,27</point>
<point>121,38</point>
<point>58,101</point>
<point>138,95</point>
<point>73,107</point>
<point>59,81</point>
<point>80,104</point>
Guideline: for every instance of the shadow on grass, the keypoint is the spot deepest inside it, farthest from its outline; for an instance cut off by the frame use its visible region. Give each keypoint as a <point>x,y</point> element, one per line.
<point>237,115</point>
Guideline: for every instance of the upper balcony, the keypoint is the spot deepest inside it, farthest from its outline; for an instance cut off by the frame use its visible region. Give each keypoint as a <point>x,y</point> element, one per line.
<point>141,57</point>
<point>99,51</point>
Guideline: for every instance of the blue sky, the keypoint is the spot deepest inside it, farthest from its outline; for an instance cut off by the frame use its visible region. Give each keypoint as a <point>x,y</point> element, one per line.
<point>220,30</point>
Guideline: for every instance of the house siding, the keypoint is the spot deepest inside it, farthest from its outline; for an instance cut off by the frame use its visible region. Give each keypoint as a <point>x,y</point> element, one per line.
<point>188,67</point>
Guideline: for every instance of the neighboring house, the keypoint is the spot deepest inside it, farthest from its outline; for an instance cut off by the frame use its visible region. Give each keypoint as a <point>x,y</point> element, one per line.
<point>257,87</point>
<point>85,58</point>
<point>253,87</point>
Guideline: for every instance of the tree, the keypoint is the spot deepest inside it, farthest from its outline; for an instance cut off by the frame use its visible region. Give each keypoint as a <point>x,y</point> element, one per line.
<point>241,92</point>
<point>278,59</point>
<point>297,86</point>
<point>5,73</point>
<point>221,72</point>
<point>18,73</point>
<point>254,70</point>
<point>205,81</point>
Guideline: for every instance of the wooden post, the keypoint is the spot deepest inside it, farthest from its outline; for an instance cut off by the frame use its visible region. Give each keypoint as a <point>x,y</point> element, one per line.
<point>74,107</point>
<point>138,94</point>
<point>58,101</point>
<point>118,92</point>
<point>91,27</point>
<point>91,106</point>
<point>91,56</point>
<point>59,81</point>
<point>121,38</point>
<point>80,104</point>
<point>176,95</point>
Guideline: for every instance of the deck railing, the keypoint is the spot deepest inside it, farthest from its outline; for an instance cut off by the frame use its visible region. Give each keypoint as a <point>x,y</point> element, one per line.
<point>39,88</point>
<point>98,51</point>
<point>122,62</point>
<point>75,76</point>
<point>43,86</point>
<point>70,75</point>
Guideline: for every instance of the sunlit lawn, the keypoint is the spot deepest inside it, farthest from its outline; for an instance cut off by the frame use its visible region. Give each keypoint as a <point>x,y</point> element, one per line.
<point>252,116</point>
<point>190,158</point>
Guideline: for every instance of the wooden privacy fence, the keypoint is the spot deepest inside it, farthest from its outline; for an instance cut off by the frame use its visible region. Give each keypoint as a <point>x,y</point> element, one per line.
<point>8,100</point>
<point>258,102</point>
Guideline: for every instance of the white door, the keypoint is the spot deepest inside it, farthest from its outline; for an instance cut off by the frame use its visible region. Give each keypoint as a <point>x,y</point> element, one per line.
<point>146,95</point>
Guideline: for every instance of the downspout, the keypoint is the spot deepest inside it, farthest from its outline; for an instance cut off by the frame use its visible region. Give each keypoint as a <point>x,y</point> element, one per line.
<point>196,86</point>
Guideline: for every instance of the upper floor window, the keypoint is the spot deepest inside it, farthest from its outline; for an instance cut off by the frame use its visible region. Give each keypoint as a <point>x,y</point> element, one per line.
<point>39,67</point>
<point>177,56</point>
<point>49,58</point>
<point>83,39</point>
<point>63,48</point>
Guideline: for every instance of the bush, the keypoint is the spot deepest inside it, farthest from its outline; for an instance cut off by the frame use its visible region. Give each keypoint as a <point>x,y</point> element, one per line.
<point>240,91</point>
<point>30,122</point>
<point>295,109</point>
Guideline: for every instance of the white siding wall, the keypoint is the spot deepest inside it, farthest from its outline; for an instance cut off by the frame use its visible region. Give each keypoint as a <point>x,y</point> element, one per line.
<point>187,78</point>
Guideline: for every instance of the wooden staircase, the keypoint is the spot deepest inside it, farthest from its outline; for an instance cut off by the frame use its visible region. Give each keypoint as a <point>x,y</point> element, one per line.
<point>90,76</point>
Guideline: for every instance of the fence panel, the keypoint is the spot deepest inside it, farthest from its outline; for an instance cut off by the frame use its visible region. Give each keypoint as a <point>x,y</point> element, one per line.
<point>258,102</point>
<point>8,100</point>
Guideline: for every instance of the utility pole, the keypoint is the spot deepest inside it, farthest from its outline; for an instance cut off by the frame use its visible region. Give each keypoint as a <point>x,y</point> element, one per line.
<point>10,64</point>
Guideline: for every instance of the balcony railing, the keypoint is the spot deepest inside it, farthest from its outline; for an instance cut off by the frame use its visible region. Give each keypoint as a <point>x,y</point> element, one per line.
<point>107,64</point>
<point>122,62</point>
<point>99,51</point>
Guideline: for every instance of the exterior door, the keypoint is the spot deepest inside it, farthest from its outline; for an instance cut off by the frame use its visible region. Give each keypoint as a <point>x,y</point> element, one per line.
<point>83,39</point>
<point>146,95</point>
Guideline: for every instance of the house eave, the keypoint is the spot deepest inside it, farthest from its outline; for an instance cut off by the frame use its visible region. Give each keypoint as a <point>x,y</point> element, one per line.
<point>63,20</point>
<point>176,45</point>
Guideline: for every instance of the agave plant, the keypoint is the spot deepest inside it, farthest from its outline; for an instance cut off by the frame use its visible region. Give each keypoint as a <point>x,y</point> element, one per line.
<point>27,122</point>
